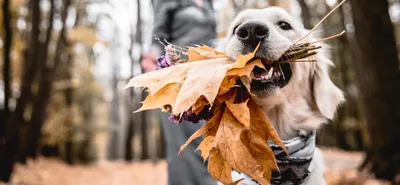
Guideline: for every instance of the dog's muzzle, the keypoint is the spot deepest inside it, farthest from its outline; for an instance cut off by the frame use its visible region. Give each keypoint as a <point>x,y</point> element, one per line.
<point>252,33</point>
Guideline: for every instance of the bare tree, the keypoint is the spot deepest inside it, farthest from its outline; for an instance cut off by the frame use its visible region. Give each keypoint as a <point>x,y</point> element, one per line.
<point>7,156</point>
<point>47,77</point>
<point>129,150</point>
<point>378,76</point>
<point>4,175</point>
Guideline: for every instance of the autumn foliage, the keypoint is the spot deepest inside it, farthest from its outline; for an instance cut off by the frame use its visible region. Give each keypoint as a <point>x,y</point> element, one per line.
<point>236,134</point>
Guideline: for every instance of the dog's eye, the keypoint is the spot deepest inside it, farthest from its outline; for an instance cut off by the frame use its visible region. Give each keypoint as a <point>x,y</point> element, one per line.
<point>284,25</point>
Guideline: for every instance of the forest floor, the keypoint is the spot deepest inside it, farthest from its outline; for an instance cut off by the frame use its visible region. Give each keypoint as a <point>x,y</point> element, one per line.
<point>341,170</point>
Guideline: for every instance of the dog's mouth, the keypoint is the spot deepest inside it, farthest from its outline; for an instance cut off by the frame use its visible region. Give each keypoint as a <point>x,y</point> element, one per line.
<point>273,76</point>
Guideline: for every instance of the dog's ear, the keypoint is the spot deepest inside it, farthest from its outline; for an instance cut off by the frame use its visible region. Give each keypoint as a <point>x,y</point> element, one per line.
<point>327,95</point>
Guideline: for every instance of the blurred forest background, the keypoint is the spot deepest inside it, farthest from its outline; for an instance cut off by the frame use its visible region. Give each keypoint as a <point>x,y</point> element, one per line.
<point>64,64</point>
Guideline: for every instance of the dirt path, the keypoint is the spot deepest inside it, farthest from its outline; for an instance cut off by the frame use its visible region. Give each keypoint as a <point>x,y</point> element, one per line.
<point>341,170</point>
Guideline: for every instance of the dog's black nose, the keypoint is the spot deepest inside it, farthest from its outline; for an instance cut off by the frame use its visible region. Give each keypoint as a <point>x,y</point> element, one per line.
<point>251,33</point>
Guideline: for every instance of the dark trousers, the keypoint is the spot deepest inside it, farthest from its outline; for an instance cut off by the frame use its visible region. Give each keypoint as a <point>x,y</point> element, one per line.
<point>188,168</point>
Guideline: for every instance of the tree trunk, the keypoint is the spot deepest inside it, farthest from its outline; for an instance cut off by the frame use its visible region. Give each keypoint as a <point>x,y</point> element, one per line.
<point>144,122</point>
<point>5,168</point>
<point>129,147</point>
<point>115,122</point>
<point>378,77</point>
<point>7,156</point>
<point>68,93</point>
<point>45,83</point>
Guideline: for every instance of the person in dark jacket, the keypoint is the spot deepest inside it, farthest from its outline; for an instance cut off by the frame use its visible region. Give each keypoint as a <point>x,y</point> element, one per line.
<point>182,23</point>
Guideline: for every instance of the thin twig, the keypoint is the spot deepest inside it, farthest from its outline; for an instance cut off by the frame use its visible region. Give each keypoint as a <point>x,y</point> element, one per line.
<point>328,38</point>
<point>320,22</point>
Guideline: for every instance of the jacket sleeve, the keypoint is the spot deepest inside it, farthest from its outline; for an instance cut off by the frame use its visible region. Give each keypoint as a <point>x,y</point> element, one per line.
<point>163,13</point>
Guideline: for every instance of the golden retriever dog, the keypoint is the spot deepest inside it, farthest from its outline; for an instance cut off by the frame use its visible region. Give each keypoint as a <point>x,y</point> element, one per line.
<point>297,97</point>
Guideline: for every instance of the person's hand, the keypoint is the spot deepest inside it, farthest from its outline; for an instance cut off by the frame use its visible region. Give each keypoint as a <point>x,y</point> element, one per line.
<point>148,63</point>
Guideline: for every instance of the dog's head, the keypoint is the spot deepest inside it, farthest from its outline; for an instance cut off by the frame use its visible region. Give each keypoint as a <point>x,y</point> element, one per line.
<point>274,30</point>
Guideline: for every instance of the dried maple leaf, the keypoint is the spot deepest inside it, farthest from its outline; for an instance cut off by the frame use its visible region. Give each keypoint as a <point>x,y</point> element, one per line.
<point>243,59</point>
<point>236,135</point>
<point>229,141</point>
<point>261,125</point>
<point>240,111</point>
<point>227,84</point>
<point>246,70</point>
<point>203,53</point>
<point>205,81</point>
<point>236,182</point>
<point>156,80</point>
<point>199,105</point>
<point>165,96</point>
<point>206,145</point>
<point>208,129</point>
<point>219,168</point>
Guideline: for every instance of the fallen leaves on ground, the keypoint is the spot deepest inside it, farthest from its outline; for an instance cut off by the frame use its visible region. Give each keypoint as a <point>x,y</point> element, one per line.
<point>341,169</point>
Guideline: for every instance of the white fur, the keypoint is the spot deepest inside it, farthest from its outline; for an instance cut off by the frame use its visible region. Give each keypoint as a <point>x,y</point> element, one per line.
<point>309,99</point>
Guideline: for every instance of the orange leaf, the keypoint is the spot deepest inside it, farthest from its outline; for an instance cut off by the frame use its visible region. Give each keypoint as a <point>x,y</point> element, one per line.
<point>218,168</point>
<point>236,182</point>
<point>209,129</point>
<point>228,141</point>
<point>199,105</point>
<point>205,146</point>
<point>203,53</point>
<point>227,84</point>
<point>246,82</point>
<point>261,125</point>
<point>243,59</point>
<point>261,152</point>
<point>240,111</point>
<point>246,70</point>
<point>166,96</point>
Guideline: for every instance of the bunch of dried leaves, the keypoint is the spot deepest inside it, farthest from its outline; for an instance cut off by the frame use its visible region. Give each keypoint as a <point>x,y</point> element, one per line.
<point>234,137</point>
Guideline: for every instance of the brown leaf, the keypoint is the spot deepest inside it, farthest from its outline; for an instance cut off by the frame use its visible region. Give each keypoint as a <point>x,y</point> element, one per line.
<point>218,168</point>
<point>166,96</point>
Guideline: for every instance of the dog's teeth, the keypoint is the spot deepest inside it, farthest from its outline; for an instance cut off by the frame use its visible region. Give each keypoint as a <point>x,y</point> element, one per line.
<point>270,72</point>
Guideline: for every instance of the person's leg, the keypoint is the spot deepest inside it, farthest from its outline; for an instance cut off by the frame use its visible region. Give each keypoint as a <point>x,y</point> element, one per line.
<point>187,168</point>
